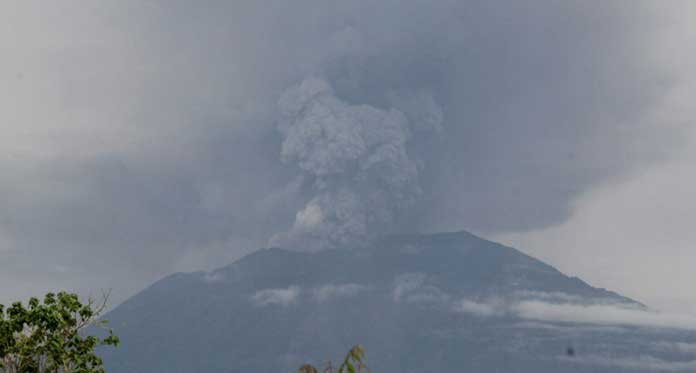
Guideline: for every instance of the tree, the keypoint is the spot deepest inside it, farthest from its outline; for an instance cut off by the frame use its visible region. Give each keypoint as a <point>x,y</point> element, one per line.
<point>49,336</point>
<point>354,362</point>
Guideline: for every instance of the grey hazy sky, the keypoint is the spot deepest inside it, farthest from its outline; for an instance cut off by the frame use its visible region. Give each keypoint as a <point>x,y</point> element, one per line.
<point>142,137</point>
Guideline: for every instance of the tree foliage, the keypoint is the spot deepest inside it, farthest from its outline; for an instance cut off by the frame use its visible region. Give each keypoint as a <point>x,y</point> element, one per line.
<point>48,336</point>
<point>353,362</point>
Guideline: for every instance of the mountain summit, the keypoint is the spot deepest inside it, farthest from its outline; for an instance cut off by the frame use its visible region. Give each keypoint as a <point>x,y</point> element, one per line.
<point>447,302</point>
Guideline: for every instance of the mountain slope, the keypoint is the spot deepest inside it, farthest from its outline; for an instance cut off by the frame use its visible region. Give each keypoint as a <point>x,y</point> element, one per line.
<point>418,303</point>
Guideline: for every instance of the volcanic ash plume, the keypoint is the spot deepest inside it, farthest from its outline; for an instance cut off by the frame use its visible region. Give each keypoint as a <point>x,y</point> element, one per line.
<point>355,159</point>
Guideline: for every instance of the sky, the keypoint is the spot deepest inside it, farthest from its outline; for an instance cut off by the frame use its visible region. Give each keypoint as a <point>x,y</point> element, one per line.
<point>140,138</point>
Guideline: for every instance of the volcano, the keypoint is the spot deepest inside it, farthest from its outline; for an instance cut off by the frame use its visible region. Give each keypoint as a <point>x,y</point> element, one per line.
<point>449,302</point>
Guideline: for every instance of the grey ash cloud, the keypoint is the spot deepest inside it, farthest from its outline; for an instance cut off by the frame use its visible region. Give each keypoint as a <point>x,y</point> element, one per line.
<point>146,137</point>
<point>355,158</point>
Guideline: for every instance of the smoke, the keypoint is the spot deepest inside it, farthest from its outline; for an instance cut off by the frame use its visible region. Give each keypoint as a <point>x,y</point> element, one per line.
<point>356,159</point>
<point>408,119</point>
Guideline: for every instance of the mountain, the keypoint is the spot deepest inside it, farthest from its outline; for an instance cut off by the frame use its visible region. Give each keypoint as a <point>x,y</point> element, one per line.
<point>449,302</point>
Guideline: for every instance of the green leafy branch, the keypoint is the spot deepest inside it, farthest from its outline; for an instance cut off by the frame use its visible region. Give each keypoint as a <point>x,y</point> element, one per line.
<point>47,337</point>
<point>353,362</point>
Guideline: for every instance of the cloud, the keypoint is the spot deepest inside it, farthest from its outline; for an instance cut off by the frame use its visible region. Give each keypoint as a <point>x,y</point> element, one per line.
<point>413,288</point>
<point>679,347</point>
<point>634,236</point>
<point>643,362</point>
<point>598,313</point>
<point>333,291</point>
<point>213,277</point>
<point>170,154</point>
<point>602,314</point>
<point>281,297</point>
<point>571,329</point>
<point>479,309</point>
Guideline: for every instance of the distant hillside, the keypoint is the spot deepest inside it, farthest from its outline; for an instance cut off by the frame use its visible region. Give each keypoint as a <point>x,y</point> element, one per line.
<point>450,302</point>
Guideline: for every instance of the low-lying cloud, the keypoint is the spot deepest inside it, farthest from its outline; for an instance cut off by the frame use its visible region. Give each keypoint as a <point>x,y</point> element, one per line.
<point>413,288</point>
<point>641,363</point>
<point>601,313</point>
<point>294,294</point>
<point>333,291</point>
<point>281,297</point>
<point>480,309</point>
<point>679,347</point>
